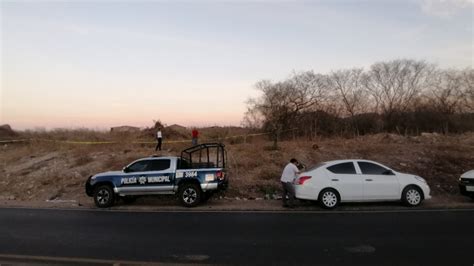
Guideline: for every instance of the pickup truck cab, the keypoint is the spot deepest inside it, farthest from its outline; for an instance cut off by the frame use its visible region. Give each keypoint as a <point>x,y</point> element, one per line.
<point>194,177</point>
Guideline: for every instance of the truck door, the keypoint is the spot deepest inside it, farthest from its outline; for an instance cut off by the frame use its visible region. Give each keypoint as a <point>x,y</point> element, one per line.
<point>160,175</point>
<point>132,179</point>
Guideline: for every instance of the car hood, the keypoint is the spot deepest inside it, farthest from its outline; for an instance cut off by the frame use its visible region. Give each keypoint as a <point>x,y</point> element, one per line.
<point>411,177</point>
<point>109,173</point>
<point>407,174</point>
<point>468,174</point>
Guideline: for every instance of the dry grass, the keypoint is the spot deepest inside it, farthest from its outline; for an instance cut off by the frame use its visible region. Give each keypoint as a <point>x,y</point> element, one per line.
<point>46,170</point>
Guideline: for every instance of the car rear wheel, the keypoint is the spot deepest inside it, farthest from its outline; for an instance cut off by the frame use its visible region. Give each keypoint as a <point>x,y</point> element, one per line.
<point>412,196</point>
<point>190,195</point>
<point>329,198</point>
<point>104,196</point>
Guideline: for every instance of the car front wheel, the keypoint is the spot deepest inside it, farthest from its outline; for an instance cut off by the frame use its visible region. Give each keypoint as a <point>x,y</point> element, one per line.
<point>104,196</point>
<point>190,195</point>
<point>412,196</point>
<point>328,198</point>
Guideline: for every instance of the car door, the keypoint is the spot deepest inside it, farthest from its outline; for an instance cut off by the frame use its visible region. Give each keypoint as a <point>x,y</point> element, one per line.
<point>344,178</point>
<point>380,183</point>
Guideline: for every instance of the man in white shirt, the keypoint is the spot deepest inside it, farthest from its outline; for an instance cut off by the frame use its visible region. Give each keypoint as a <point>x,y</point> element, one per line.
<point>159,139</point>
<point>287,177</point>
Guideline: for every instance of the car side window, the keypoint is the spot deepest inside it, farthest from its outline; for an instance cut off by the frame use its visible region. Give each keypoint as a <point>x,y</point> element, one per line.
<point>372,169</point>
<point>139,166</point>
<point>159,165</point>
<point>343,168</point>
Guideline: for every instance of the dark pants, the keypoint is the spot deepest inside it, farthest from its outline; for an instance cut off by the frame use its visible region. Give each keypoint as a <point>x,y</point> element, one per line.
<point>158,145</point>
<point>288,190</point>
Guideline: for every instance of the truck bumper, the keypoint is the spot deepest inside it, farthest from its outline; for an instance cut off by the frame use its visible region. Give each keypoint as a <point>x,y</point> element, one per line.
<point>466,190</point>
<point>222,185</point>
<point>89,188</point>
<point>209,186</point>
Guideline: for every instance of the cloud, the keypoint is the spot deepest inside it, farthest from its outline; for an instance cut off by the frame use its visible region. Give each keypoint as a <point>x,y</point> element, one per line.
<point>445,8</point>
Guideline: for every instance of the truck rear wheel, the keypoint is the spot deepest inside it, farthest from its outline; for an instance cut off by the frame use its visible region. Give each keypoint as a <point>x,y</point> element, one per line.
<point>190,195</point>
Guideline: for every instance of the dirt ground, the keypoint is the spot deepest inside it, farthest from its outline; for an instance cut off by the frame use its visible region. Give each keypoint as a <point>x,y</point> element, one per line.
<point>52,174</point>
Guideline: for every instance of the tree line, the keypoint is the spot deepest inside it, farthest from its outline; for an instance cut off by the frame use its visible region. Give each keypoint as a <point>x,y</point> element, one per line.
<point>400,96</point>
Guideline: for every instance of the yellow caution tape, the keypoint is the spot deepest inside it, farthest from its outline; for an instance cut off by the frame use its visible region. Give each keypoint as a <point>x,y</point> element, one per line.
<point>13,140</point>
<point>133,142</point>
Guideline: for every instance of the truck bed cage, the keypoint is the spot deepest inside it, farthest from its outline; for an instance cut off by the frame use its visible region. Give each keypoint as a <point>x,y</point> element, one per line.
<point>205,155</point>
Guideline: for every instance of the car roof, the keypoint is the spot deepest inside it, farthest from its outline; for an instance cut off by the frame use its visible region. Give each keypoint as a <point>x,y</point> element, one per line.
<point>329,163</point>
<point>468,174</point>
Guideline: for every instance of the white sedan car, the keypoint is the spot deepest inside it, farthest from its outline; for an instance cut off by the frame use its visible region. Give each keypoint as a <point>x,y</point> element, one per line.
<point>359,180</point>
<point>466,184</point>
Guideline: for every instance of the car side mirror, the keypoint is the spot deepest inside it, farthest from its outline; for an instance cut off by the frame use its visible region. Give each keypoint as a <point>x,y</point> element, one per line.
<point>388,172</point>
<point>125,169</point>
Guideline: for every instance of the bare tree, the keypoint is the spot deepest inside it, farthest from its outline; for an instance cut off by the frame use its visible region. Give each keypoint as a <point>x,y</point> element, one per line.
<point>282,102</point>
<point>445,94</point>
<point>397,95</point>
<point>253,118</point>
<point>394,85</point>
<point>310,89</point>
<point>350,92</point>
<point>467,81</point>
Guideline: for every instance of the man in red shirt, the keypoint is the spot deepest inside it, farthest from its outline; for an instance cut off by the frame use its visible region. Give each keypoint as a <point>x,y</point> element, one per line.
<point>195,136</point>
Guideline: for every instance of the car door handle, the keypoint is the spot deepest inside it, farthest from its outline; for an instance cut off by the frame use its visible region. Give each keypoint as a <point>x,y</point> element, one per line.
<point>334,179</point>
<point>368,180</point>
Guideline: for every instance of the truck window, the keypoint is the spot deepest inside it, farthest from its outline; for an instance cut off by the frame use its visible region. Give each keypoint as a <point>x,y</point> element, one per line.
<point>183,164</point>
<point>159,165</point>
<point>139,166</point>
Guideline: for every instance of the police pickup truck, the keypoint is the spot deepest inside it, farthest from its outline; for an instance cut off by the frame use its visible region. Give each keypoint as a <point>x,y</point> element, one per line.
<point>194,177</point>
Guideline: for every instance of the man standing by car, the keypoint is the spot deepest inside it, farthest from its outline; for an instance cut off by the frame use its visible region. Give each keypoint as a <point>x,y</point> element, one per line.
<point>287,177</point>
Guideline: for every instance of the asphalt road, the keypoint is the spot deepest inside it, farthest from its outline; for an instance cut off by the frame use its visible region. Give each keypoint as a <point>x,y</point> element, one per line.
<point>431,237</point>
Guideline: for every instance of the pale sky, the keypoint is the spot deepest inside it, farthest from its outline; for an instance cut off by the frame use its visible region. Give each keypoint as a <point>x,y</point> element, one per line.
<point>97,64</point>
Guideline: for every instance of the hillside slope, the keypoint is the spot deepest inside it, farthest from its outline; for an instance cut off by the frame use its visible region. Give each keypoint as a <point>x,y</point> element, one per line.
<point>39,171</point>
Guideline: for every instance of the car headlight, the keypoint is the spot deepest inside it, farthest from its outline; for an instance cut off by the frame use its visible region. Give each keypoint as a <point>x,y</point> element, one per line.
<point>419,178</point>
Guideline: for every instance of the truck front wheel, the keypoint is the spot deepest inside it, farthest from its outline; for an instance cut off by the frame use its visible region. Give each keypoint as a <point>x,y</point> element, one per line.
<point>104,196</point>
<point>190,195</point>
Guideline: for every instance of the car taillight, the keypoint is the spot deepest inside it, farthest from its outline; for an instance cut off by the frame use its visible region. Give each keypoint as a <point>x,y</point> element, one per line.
<point>303,179</point>
<point>220,175</point>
